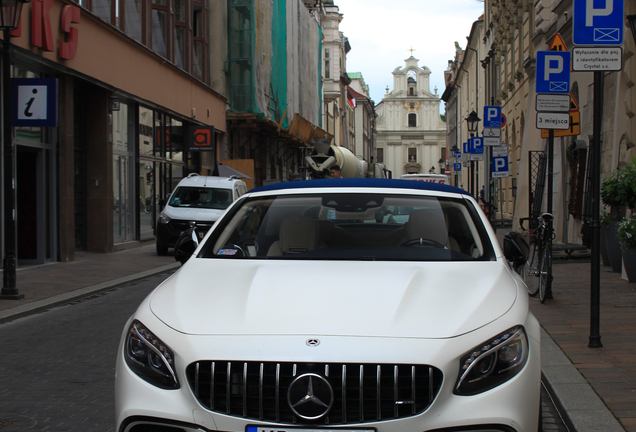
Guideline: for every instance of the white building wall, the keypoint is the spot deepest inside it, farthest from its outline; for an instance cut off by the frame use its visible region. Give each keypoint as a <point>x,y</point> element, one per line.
<point>395,136</point>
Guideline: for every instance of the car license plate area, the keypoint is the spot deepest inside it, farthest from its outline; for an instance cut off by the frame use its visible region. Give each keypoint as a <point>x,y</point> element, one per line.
<point>295,429</point>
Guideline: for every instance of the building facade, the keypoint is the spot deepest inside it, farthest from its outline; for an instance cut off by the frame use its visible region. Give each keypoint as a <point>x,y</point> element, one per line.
<point>273,80</point>
<point>364,119</point>
<point>464,94</point>
<point>131,79</point>
<point>514,32</point>
<point>411,136</point>
<point>335,46</point>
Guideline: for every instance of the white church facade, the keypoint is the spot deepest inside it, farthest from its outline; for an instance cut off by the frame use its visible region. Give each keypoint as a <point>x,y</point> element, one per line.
<point>411,136</point>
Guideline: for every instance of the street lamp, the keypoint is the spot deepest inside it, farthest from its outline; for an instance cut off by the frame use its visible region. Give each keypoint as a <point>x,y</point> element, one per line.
<point>473,123</point>
<point>442,165</point>
<point>472,120</point>
<point>10,11</point>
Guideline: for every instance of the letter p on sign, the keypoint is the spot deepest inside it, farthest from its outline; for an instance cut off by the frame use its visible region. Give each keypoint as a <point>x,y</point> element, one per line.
<point>591,12</point>
<point>550,61</point>
<point>492,116</point>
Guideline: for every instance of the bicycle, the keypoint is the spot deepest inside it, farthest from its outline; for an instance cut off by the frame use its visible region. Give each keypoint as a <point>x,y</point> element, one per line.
<point>539,262</point>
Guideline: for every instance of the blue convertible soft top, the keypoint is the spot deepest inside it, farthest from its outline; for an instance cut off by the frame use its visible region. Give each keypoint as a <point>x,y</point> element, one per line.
<point>362,182</point>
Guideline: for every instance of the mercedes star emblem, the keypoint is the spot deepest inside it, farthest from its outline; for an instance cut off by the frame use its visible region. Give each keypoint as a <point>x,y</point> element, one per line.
<point>310,396</point>
<point>312,342</point>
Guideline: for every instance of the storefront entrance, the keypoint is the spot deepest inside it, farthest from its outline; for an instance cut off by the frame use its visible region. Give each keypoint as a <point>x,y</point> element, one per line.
<point>35,236</point>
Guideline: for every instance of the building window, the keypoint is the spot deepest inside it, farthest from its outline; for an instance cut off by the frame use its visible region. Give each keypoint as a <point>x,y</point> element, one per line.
<point>133,19</point>
<point>412,155</point>
<point>410,91</point>
<point>159,43</point>
<point>174,29</point>
<point>180,34</point>
<point>412,120</point>
<point>198,40</point>
<point>380,155</point>
<point>103,9</point>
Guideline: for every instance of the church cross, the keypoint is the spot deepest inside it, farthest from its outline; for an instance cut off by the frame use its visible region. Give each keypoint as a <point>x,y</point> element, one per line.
<point>411,50</point>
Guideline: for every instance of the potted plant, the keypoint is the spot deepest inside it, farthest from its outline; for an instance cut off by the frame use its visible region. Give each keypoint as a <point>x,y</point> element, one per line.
<point>626,235</point>
<point>606,218</point>
<point>619,192</point>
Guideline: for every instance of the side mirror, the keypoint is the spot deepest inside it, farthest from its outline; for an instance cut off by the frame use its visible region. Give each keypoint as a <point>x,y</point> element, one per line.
<point>187,243</point>
<point>516,248</point>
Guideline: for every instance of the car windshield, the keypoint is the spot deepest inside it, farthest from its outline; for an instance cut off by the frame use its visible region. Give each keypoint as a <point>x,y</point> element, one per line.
<point>201,197</point>
<point>351,226</point>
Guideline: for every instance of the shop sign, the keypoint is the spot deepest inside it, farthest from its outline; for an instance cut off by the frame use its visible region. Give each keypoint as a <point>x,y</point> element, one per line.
<point>201,138</point>
<point>34,102</point>
<point>42,35</point>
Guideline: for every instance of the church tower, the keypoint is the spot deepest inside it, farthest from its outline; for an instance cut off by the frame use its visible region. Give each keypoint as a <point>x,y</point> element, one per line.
<point>411,136</point>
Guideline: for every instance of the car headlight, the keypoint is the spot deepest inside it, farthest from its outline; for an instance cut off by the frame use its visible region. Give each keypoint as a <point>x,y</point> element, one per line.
<point>164,218</point>
<point>149,357</point>
<point>492,363</point>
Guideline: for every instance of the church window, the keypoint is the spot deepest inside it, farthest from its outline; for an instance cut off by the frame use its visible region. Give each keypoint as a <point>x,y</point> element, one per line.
<point>380,155</point>
<point>410,91</point>
<point>327,64</point>
<point>412,120</point>
<point>412,155</point>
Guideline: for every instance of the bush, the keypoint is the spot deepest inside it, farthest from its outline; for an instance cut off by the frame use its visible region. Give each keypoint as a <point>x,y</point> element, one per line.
<point>626,233</point>
<point>619,189</point>
<point>606,218</point>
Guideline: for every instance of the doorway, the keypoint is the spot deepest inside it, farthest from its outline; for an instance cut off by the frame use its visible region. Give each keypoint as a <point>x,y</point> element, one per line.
<point>31,206</point>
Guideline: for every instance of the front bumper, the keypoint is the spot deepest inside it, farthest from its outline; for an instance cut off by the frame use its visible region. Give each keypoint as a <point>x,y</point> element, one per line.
<point>510,407</point>
<point>168,234</point>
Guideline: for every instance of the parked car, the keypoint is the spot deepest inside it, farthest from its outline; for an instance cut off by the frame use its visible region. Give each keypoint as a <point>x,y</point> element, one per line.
<point>200,199</point>
<point>307,307</point>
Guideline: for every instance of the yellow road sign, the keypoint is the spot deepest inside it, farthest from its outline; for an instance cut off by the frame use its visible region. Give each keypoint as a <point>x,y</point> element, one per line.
<point>557,43</point>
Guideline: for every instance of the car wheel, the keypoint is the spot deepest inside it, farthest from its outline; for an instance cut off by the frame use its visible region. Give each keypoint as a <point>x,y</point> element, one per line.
<point>162,250</point>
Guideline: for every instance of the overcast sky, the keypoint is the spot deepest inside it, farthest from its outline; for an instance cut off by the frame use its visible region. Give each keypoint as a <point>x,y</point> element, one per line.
<point>381,32</point>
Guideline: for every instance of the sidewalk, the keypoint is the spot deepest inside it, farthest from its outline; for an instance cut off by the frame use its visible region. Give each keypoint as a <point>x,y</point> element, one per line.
<point>610,370</point>
<point>56,283</point>
<point>591,387</point>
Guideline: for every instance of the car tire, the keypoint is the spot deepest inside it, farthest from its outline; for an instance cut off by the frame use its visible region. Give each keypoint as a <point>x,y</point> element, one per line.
<point>162,250</point>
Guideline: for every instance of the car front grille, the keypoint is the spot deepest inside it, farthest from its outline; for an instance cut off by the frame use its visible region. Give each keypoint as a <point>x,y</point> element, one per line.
<point>361,392</point>
<point>184,225</point>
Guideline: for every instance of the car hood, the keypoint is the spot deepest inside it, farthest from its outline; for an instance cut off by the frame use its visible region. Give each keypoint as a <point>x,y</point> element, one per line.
<point>376,299</point>
<point>193,214</point>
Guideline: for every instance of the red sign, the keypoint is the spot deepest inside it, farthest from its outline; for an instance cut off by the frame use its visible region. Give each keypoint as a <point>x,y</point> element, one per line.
<point>448,171</point>
<point>201,138</point>
<point>42,35</point>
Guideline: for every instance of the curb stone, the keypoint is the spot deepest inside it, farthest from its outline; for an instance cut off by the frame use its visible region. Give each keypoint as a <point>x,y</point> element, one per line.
<point>44,304</point>
<point>582,409</point>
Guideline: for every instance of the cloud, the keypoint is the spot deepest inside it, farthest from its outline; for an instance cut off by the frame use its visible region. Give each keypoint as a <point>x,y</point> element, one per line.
<point>382,32</point>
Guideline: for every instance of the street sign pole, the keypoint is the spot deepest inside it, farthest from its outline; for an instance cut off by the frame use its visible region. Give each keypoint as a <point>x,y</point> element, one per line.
<point>595,283</point>
<point>548,288</point>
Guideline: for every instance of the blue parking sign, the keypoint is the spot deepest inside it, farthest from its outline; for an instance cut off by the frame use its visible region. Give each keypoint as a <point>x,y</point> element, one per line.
<point>500,166</point>
<point>598,22</point>
<point>553,72</point>
<point>476,145</point>
<point>458,167</point>
<point>492,116</point>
